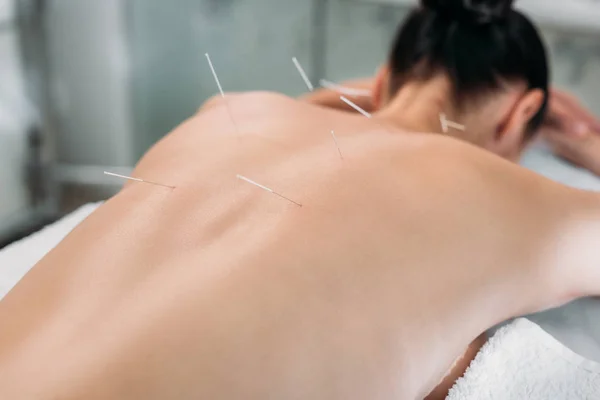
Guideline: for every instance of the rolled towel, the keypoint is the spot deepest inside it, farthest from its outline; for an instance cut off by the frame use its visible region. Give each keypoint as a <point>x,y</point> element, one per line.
<point>522,361</point>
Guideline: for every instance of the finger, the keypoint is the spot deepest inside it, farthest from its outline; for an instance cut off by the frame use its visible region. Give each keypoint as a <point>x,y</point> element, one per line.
<point>558,135</point>
<point>584,153</point>
<point>565,152</point>
<point>563,96</point>
<point>555,137</point>
<point>563,118</point>
<point>595,127</point>
<point>567,102</point>
<point>575,109</point>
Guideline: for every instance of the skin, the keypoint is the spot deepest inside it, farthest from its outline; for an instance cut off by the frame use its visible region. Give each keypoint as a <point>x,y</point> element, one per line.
<point>496,121</point>
<point>501,120</point>
<point>401,255</point>
<point>572,131</point>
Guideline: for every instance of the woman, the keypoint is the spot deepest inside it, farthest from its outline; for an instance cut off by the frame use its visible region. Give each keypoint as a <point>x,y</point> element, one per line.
<point>572,131</point>
<point>314,274</point>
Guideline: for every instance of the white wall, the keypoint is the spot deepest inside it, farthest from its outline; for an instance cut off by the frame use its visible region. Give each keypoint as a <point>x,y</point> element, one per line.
<point>584,15</point>
<point>7,9</point>
<point>251,43</point>
<point>91,81</point>
<point>14,121</point>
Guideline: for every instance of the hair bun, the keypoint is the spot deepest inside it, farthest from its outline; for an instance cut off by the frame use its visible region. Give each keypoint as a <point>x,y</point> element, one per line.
<point>473,12</point>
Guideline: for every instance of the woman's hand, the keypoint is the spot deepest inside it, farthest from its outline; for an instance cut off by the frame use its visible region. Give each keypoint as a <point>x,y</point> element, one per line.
<point>573,132</point>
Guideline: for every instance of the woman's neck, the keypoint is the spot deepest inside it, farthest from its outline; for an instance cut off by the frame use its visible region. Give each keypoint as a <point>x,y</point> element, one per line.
<point>418,105</point>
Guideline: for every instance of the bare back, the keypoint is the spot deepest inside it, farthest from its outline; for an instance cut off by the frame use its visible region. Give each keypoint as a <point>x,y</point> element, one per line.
<point>400,254</point>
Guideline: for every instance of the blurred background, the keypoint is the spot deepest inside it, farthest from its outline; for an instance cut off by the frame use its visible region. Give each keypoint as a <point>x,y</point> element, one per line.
<point>89,85</point>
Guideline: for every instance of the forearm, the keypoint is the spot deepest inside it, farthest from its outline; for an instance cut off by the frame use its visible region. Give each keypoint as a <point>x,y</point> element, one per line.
<point>330,98</point>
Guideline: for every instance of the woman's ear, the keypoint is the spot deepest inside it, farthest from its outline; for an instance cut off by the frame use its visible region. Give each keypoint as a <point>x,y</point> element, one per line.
<point>380,89</point>
<point>509,140</point>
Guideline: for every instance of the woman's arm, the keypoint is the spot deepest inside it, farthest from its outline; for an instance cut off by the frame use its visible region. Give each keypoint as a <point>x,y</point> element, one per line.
<point>331,99</point>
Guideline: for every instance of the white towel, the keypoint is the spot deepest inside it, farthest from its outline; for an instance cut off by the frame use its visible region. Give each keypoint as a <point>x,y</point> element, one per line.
<point>521,362</point>
<point>17,259</point>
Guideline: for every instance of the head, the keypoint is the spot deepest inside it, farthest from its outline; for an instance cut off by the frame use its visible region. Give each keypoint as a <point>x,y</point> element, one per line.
<point>480,62</point>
